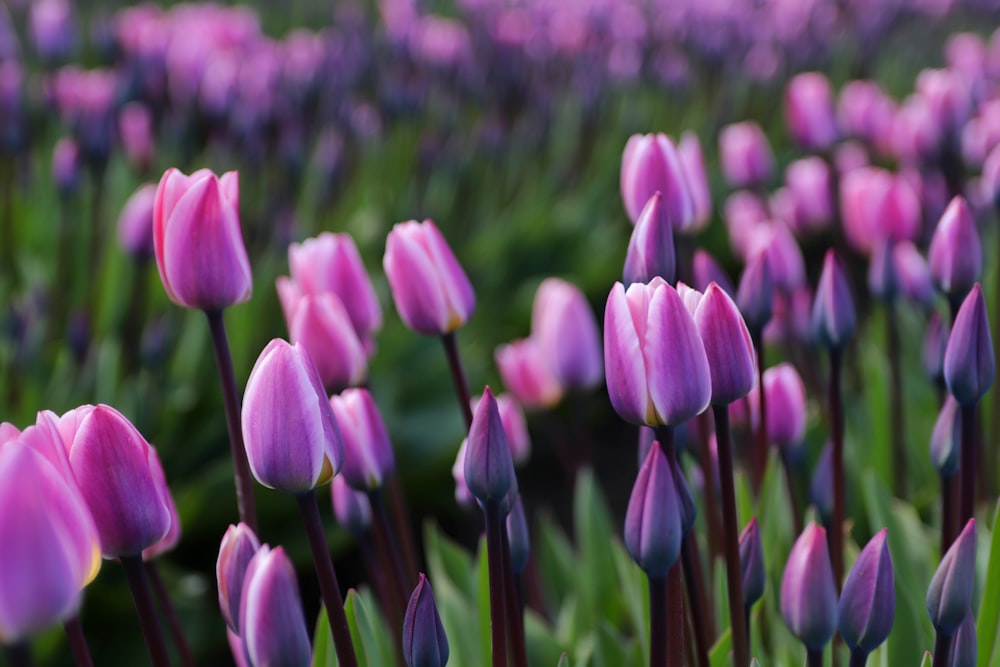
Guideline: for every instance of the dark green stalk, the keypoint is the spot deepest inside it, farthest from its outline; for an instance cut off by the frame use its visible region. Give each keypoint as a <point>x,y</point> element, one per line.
<point>77,642</point>
<point>741,655</point>
<point>170,614</point>
<point>837,419</point>
<point>658,628</point>
<point>942,650</point>
<point>147,612</point>
<point>967,467</point>
<point>328,584</point>
<point>494,555</point>
<point>458,377</point>
<point>231,399</point>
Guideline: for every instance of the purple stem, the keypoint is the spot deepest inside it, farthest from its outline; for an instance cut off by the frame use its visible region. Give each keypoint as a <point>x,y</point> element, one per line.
<point>967,467</point>
<point>949,515</point>
<point>401,520</point>
<point>393,560</point>
<point>697,601</point>
<point>458,377</point>
<point>658,628</point>
<point>814,658</point>
<point>512,604</point>
<point>942,650</point>
<point>77,642</point>
<point>837,419</point>
<point>494,555</point>
<point>170,614</point>
<point>674,582</point>
<point>147,612</point>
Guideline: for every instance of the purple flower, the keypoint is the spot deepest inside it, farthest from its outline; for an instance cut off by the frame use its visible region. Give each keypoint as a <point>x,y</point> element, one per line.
<point>368,457</point>
<point>785,405</point>
<point>728,348</point>
<point>653,528</point>
<point>755,295</point>
<point>424,641</point>
<point>956,255</point>
<point>526,373</point>
<point>272,624</point>
<point>969,365</point>
<point>650,164</point>
<point>808,593</point>
<point>745,155</point>
<point>135,224</point>
<point>935,346</point>
<point>867,605</point>
<point>519,536</point>
<point>352,508</point>
<point>566,330</point>
<point>833,310</point>
<point>946,439</point>
<point>239,544</point>
<point>514,425</point>
<point>489,468</point>
<point>693,161</point>
<point>322,326</point>
<point>949,597</point>
<point>809,111</point>
<point>752,563</point>
<point>706,271</point>
<point>808,183</point>
<point>651,247</point>
<point>964,649</point>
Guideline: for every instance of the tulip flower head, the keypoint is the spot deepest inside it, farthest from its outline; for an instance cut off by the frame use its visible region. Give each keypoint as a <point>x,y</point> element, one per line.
<point>272,624</point>
<point>321,324</point>
<point>693,161</point>
<point>867,604</point>
<point>730,352</point>
<point>809,111</point>
<point>135,224</point>
<point>950,594</point>
<point>431,291</point>
<point>956,254</point>
<point>566,330</point>
<point>821,484</point>
<point>527,374</point>
<point>833,316</point>
<point>653,520</point>
<point>239,544</point>
<point>352,508</point>
<point>755,295</point>
<point>368,457</point>
<point>650,164</point>
<point>752,563</point>
<point>489,468</point>
<point>651,248</point>
<point>808,593</point>
<point>706,270</point>
<point>198,241</point>
<point>969,365</point>
<point>964,648</point>
<point>424,641</point>
<point>946,439</point>
<point>935,347</point>
<point>519,536</point>
<point>745,155</point>
<point>514,425</point>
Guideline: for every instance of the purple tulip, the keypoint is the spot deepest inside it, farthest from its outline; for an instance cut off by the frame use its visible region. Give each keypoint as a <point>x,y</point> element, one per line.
<point>489,468</point>
<point>67,166</point>
<point>352,508</point>
<point>519,536</point>
<point>657,371</point>
<point>51,28</point>
<point>743,214</point>
<point>463,496</point>
<point>878,206</point>
<point>135,125</point>
<point>135,224</point>
<point>956,254</point>
<point>239,544</point>
<point>527,374</point>
<point>808,593</point>
<point>424,641</point>
<point>786,405</point>
<point>273,626</point>
<point>728,348</point>
<point>867,605</point>
<point>821,484</point>
<point>514,425</point>
<point>969,365</point>
<point>808,184</point>
<point>755,296</point>
<point>948,98</point>
<point>651,247</point>
<point>833,310</point>
<point>745,155</point>
<point>964,648</point>
<point>687,507</point>
<point>199,245</point>
<point>653,529</point>
<point>127,497</point>
<point>650,164</point>
<point>882,279</point>
<point>935,346</point>
<point>809,111</point>
<point>693,161</point>
<point>784,256</point>
<point>949,597</point>
<point>752,563</point>
<point>690,297</point>
<point>332,263</point>
<point>946,439</point>
<point>913,277</point>
<point>432,293</point>
<point>566,330</point>
<point>368,457</point>
<point>706,271</point>
<point>292,440</point>
<point>321,324</point>
<point>865,111</point>
<point>173,536</point>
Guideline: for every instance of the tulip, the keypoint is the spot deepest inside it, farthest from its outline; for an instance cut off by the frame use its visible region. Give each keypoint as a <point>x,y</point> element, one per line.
<point>808,592</point>
<point>950,594</point>
<point>198,242</point>
<point>352,508</point>
<point>431,291</point>
<point>527,374</point>
<point>653,522</point>
<point>650,164</point>
<point>332,263</point>
<point>867,605</point>
<point>489,469</point>
<point>730,352</point>
<point>913,277</point>
<point>51,29</point>
<point>514,426</point>
<point>651,247</point>
<point>821,485</point>
<point>239,544</point>
<point>693,162</point>
<point>368,457</point>
<point>808,183</point>
<point>706,271</point>
<point>964,649</point>
<point>320,324</point>
<point>946,439</point>
<point>785,405</point>
<point>292,439</point>
<point>566,330</point>
<point>173,536</point>
<point>755,295</point>
<point>784,257</point>
<point>657,371</point>
<point>690,297</point>
<point>463,496</point>
<point>956,254</point>
<point>752,563</point>
<point>135,126</point>
<point>833,309</point>
<point>743,213</point>
<point>969,365</point>
<point>519,536</point>
<point>745,155</point>
<point>135,224</point>
<point>273,626</point>
<point>424,641</point>
<point>882,277</point>
<point>809,111</point>
<point>66,166</point>
<point>947,97</point>
<point>935,347</point>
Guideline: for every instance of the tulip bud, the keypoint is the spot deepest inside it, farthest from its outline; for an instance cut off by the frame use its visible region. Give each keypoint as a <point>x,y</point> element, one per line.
<point>173,536</point>
<point>821,484</point>
<point>431,291</point>
<point>292,439</point>
<point>743,214</point>
<point>424,641</point>
<point>653,529</point>
<point>882,273</point>
<point>745,155</point>
<point>808,183</point>
<point>657,371</point>
<point>518,536</point>
<point>320,324</point>
<point>752,563</point>
<point>784,257</point>
<point>239,544</point>
<point>935,346</point>
<point>686,504</point>
<point>833,309</point>
<point>51,29</point>
<point>514,426</point>
<point>956,254</point>
<point>135,125</point>
<point>368,457</point>
<point>126,496</point>
<point>706,271</point>
<point>199,245</point>
<point>489,469</point>
<point>526,373</point>
<point>273,626</point>
<point>463,496</point>
<point>949,597</point>
<point>352,509</point>
<point>946,439</point>
<point>650,164</point>
<point>808,592</point>
<point>566,330</point>
<point>785,405</point>
<point>809,111</point>
<point>731,358</point>
<point>964,649</point>
<point>913,277</point>
<point>651,248</point>
<point>693,162</point>
<point>755,296</point>
<point>947,96</point>
<point>968,361</point>
<point>135,224</point>
<point>66,166</point>
<point>867,605</point>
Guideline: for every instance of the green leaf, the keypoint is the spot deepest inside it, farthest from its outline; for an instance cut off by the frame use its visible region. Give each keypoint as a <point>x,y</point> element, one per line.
<point>556,561</point>
<point>988,624</point>
<point>447,560</point>
<point>350,609</point>
<point>323,653</point>
<point>379,647</point>
<point>563,661</point>
<point>928,659</point>
<point>610,648</point>
<point>634,593</point>
<point>719,655</point>
<point>595,578</point>
<point>540,642</point>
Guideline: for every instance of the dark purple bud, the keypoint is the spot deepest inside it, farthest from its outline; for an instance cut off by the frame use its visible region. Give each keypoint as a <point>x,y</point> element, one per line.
<point>489,468</point>
<point>352,508</point>
<point>913,277</point>
<point>969,365</point>
<point>730,352</point>
<point>752,563</point>
<point>964,650</point>
<point>650,163</point>
<point>518,536</point>
<point>821,484</point>
<point>949,597</point>
<point>946,439</point>
<point>882,279</point>
<point>706,271</point>
<point>653,523</point>
<point>867,605</point>
<point>686,503</point>
<point>651,248</point>
<point>755,296</point>
<point>935,345</point>
<point>808,593</point>
<point>833,310</point>
<point>424,641</point>
<point>956,254</point>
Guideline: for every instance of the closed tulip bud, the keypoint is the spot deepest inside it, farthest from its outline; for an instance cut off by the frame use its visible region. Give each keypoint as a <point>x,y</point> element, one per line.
<point>808,593</point>
<point>947,96</point>
<point>332,263</point>
<point>935,346</point>
<point>731,359</point>
<point>821,484</point>
<point>650,164</point>
<point>752,563</point>
<point>352,508</point>
<point>135,224</point>
<point>809,111</point>
<point>292,440</point>
<point>135,126</point>
<point>964,649</point>
<point>424,641</point>
<point>489,469</point>
<point>519,537</point>
<point>368,457</point>
<point>199,245</point>
<point>784,256</point>
<point>743,214</point>
<point>956,254</point>
<point>913,277</point>
<point>882,279</point>
<point>755,295</point>
<point>432,293</point>
<point>237,648</point>
<point>51,29</point>
<point>833,310</point>
<point>707,271</point>
<point>48,544</point>
<point>463,496</point>
<point>239,544</point>
<point>657,371</point>
<point>653,522</point>
<point>946,439</point>
<point>808,183</point>
<point>651,248</point>
<point>273,626</point>
<point>320,323</point>
<point>745,155</point>
<point>127,497</point>
<point>687,506</point>
<point>867,605</point>
<point>949,597</point>
<point>693,161</point>
<point>173,536</point>
<point>969,365</point>
<point>566,330</point>
<point>526,373</point>
<point>514,425</point>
